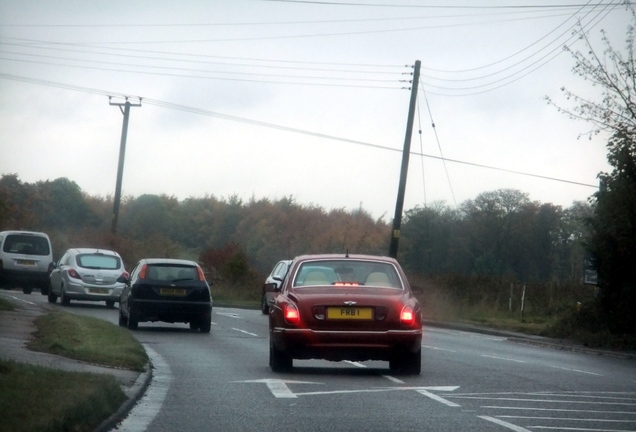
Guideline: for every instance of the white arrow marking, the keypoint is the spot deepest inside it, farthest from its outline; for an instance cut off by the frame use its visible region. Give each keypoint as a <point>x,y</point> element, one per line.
<point>279,387</point>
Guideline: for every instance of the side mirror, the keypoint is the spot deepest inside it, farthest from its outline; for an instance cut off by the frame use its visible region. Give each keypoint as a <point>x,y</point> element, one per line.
<point>271,287</point>
<point>124,278</point>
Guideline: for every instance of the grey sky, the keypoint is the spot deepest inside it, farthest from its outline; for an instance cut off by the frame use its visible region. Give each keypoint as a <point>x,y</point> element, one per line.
<point>268,99</point>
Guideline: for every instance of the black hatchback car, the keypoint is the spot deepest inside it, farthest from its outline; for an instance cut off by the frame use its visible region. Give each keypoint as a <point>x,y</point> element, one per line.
<point>168,290</point>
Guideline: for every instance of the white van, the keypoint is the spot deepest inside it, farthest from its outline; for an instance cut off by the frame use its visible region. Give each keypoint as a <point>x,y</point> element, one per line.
<point>24,260</point>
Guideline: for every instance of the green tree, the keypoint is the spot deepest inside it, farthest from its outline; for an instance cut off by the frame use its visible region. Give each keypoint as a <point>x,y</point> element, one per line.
<point>613,234</point>
<point>613,239</point>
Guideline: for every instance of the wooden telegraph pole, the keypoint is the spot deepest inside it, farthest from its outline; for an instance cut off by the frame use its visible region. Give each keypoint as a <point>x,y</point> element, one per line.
<point>122,153</point>
<point>397,219</point>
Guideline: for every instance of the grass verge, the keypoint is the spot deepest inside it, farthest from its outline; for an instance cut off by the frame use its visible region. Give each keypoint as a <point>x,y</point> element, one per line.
<point>6,305</point>
<point>39,399</point>
<point>88,339</point>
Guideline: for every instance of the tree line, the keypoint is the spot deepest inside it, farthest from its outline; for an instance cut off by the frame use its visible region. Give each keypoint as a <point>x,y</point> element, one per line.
<point>498,233</point>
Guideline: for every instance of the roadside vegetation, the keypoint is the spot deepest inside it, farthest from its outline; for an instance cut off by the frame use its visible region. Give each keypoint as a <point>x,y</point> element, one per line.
<point>40,399</point>
<point>88,339</point>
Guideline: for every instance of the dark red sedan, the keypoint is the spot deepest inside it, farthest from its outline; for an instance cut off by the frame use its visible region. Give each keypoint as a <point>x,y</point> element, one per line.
<point>346,307</point>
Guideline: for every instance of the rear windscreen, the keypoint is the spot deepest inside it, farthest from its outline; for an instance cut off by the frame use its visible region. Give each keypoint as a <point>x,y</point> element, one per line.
<point>349,272</point>
<point>98,261</point>
<point>26,244</point>
<point>172,273</point>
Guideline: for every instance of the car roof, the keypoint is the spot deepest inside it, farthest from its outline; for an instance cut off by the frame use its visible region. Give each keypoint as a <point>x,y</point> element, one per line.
<point>93,251</point>
<point>37,233</point>
<point>169,261</point>
<point>356,257</point>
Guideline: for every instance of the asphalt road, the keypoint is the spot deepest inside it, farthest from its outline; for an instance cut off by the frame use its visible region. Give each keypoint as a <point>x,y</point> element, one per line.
<point>470,382</point>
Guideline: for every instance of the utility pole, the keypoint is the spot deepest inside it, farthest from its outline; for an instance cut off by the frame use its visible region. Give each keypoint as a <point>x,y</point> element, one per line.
<point>397,219</point>
<point>122,153</point>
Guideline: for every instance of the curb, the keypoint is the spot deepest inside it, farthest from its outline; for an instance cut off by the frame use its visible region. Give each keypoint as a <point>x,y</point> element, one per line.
<point>134,393</point>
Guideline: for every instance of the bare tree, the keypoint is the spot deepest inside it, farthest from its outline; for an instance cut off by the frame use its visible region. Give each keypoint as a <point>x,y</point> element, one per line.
<point>612,71</point>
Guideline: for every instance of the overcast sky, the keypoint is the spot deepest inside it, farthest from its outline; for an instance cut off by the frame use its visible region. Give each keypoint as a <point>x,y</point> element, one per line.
<point>309,99</point>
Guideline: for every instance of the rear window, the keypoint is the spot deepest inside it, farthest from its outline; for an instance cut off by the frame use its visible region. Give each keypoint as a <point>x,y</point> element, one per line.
<point>171,273</point>
<point>98,261</point>
<point>347,272</point>
<point>26,244</point>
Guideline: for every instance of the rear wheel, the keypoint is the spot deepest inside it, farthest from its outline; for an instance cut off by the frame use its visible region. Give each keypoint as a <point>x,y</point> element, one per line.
<point>51,297</point>
<point>264,305</point>
<point>123,321</point>
<point>195,325</point>
<point>28,290</point>
<point>406,362</point>
<point>110,304</point>
<point>279,361</point>
<point>63,297</point>
<point>133,320</point>
<point>206,324</point>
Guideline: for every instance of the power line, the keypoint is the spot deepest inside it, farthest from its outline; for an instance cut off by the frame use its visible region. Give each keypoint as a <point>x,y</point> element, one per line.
<point>200,111</point>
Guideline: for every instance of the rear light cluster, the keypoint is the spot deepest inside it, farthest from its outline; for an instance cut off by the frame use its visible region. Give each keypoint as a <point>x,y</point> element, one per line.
<point>72,273</point>
<point>142,272</point>
<point>201,275</point>
<point>291,313</point>
<point>407,316</point>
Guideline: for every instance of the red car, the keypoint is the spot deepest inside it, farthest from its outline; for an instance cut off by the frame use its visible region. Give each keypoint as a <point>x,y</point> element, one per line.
<point>345,307</point>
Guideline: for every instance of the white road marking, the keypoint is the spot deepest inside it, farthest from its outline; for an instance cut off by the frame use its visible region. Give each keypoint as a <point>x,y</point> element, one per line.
<point>246,332</point>
<point>438,349</point>
<point>389,377</point>
<point>229,314</point>
<point>393,379</point>
<point>504,358</point>
<point>279,387</point>
<point>438,398</point>
<point>568,419</point>
<point>150,404</point>
<point>380,390</point>
<point>575,370</point>
<point>505,424</point>
<point>19,299</point>
<point>557,409</point>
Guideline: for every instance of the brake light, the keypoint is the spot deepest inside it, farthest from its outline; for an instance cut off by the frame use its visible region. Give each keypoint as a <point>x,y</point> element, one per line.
<point>291,313</point>
<point>346,283</point>
<point>72,273</point>
<point>142,272</point>
<point>407,316</point>
<point>201,275</point>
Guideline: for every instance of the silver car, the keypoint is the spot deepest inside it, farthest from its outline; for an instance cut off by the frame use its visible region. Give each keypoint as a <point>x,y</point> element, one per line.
<point>87,274</point>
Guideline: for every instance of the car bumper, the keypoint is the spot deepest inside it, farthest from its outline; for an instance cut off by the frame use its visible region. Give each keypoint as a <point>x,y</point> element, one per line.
<point>93,292</point>
<point>28,277</point>
<point>345,345</point>
<point>173,311</point>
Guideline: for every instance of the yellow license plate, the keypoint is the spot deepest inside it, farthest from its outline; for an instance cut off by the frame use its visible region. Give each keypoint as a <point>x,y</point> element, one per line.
<point>354,313</point>
<point>98,290</point>
<point>172,291</point>
<point>25,262</point>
